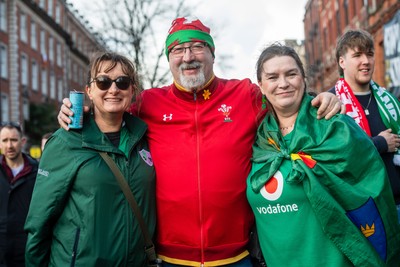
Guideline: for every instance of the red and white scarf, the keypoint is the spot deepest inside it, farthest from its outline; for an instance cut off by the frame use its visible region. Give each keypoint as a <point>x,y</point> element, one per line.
<point>353,107</point>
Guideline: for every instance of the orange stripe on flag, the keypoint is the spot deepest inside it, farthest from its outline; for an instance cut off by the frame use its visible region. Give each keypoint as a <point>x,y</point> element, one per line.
<point>307,159</point>
<point>272,142</point>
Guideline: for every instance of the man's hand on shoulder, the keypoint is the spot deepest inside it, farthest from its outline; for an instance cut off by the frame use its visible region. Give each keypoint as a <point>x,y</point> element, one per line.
<point>328,105</point>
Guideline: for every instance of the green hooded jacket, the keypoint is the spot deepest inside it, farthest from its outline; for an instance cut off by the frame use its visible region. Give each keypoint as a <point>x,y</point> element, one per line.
<point>78,214</point>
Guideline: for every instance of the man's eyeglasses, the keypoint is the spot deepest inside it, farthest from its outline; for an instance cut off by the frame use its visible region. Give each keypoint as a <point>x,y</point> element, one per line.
<point>104,82</point>
<point>196,49</point>
<point>11,124</point>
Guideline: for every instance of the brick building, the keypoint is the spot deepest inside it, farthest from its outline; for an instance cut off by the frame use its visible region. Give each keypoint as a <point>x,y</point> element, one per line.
<point>326,20</point>
<point>45,46</point>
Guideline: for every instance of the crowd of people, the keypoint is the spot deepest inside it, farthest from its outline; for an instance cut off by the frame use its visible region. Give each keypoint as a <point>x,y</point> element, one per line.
<point>206,159</point>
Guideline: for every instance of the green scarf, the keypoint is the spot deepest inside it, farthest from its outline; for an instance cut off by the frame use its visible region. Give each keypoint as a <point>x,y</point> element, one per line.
<point>389,109</point>
<point>343,177</point>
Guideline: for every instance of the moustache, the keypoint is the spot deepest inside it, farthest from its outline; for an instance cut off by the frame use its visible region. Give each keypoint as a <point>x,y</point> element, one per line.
<point>191,65</point>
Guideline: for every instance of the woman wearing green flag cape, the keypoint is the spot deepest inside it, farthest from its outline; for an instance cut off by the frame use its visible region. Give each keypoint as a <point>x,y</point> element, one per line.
<point>318,188</point>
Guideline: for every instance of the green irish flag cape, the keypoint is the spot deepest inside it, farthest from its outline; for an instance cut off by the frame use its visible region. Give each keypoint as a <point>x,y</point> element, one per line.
<point>344,179</point>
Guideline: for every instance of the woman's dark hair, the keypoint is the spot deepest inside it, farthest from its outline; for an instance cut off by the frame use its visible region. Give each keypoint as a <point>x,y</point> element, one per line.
<point>277,49</point>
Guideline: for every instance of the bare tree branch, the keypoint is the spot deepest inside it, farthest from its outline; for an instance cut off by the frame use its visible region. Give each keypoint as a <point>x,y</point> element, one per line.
<point>129,27</point>
<point>132,27</point>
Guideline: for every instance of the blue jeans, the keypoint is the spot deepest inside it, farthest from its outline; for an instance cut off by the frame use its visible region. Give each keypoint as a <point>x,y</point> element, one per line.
<point>246,262</point>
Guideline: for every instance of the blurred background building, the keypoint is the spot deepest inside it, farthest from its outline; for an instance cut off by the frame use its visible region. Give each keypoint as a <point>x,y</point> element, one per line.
<point>45,46</point>
<point>326,20</point>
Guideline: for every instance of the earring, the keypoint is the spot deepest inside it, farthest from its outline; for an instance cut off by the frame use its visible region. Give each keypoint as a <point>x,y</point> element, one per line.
<point>264,102</point>
<point>91,107</point>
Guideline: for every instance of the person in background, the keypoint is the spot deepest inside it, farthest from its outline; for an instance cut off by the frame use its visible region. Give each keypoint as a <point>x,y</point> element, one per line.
<point>201,129</point>
<point>79,215</point>
<point>45,137</point>
<point>373,108</point>
<point>17,178</point>
<point>316,203</point>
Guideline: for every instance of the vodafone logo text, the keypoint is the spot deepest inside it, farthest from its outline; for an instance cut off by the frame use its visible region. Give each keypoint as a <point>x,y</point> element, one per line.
<point>272,191</point>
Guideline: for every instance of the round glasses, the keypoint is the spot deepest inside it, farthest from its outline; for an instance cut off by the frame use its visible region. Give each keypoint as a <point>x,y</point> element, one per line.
<point>104,82</point>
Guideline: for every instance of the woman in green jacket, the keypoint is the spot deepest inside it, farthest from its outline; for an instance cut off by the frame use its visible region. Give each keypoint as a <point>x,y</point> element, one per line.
<point>78,214</point>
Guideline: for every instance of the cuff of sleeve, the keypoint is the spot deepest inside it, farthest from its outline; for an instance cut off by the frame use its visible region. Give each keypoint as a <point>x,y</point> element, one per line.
<point>380,143</point>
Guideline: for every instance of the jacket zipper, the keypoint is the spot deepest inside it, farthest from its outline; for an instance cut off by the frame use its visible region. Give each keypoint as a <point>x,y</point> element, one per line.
<point>75,248</point>
<point>198,177</point>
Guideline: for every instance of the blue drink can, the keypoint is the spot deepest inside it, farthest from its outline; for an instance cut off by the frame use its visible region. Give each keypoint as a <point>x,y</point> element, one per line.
<point>77,98</point>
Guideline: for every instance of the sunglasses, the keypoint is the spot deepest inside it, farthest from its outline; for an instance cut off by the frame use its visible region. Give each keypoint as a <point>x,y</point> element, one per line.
<point>104,82</point>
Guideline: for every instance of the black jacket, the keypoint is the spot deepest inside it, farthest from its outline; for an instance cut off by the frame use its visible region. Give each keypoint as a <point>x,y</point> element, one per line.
<point>14,205</point>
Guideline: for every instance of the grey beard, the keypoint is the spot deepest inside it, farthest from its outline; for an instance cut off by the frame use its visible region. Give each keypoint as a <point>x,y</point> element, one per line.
<point>193,83</point>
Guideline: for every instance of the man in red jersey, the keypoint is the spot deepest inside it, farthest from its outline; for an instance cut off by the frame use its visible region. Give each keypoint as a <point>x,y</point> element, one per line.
<point>200,130</point>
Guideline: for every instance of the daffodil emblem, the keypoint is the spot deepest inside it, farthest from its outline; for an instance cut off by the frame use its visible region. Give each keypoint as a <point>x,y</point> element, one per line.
<point>206,94</point>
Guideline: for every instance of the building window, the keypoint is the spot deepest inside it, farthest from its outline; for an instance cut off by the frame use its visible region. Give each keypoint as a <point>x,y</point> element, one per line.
<point>81,72</point>
<point>33,35</point>
<point>50,8</point>
<point>25,108</point>
<point>51,49</point>
<point>52,86</point>
<point>3,61</point>
<point>58,13</point>
<point>43,45</point>
<point>24,70</point>
<point>74,72</point>
<point>3,15</point>
<point>41,3</point>
<point>346,12</point>
<point>44,81</point>
<point>79,43</point>
<point>22,30</point>
<point>60,89</point>
<point>59,54</point>
<point>69,70</point>
<point>35,75</point>
<point>5,116</point>
<point>338,30</point>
